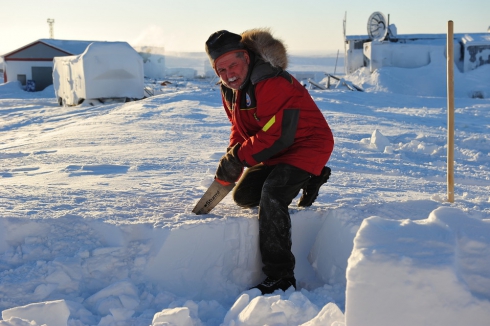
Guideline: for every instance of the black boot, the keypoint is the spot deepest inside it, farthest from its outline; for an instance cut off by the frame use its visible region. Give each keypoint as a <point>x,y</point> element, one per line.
<point>310,192</point>
<point>271,284</point>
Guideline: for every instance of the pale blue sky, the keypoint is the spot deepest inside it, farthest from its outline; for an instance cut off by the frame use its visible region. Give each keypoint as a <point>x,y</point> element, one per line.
<point>180,25</point>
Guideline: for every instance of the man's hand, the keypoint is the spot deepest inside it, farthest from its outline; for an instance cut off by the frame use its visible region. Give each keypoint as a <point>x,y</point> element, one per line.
<point>230,167</point>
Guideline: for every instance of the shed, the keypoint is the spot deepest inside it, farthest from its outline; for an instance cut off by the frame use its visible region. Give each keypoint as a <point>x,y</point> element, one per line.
<point>105,70</point>
<point>34,61</point>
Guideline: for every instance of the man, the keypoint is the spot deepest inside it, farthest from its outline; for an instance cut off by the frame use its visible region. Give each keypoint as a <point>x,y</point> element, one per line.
<point>278,133</point>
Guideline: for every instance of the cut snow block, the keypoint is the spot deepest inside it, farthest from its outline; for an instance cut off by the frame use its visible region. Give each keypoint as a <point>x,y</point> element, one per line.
<point>379,141</point>
<point>176,316</point>
<point>122,294</point>
<point>237,307</point>
<point>420,272</point>
<point>209,252</point>
<point>330,315</point>
<point>51,313</point>
<point>291,309</point>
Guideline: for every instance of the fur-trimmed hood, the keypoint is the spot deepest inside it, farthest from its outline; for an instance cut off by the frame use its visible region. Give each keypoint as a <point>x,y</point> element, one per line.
<point>268,48</point>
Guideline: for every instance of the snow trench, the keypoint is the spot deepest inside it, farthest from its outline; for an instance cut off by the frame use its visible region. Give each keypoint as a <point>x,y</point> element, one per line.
<point>213,259</point>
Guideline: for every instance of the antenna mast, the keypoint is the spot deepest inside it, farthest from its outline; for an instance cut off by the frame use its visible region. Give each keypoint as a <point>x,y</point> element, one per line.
<point>51,23</point>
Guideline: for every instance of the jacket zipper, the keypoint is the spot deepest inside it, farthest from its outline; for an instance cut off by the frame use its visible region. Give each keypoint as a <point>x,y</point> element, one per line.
<point>237,117</point>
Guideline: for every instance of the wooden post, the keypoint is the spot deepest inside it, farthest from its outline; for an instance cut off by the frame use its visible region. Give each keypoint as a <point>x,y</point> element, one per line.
<point>450,112</point>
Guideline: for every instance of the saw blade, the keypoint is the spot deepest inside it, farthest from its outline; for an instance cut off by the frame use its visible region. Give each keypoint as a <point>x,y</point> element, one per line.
<point>215,193</point>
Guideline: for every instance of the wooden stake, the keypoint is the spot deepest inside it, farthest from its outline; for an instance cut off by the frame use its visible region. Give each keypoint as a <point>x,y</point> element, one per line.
<point>450,112</point>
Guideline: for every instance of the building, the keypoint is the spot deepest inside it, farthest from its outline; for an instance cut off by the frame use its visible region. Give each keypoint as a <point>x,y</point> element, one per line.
<point>471,50</point>
<point>384,47</point>
<point>34,62</point>
<point>153,61</point>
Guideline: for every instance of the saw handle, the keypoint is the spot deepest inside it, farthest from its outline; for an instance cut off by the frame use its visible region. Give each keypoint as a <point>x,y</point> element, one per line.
<point>221,182</point>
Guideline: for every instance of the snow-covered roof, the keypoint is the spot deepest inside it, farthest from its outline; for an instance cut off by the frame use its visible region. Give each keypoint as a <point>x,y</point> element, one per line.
<point>480,36</point>
<point>68,46</point>
<point>476,38</point>
<point>73,47</point>
<point>356,37</point>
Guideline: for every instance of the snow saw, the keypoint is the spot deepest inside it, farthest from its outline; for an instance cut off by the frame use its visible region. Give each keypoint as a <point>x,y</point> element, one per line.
<point>215,193</point>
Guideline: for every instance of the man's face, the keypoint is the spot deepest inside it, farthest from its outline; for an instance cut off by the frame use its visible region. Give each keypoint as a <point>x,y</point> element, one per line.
<point>232,68</point>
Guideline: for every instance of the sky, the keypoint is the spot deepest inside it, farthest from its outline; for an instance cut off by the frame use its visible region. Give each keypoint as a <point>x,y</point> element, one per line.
<point>309,26</point>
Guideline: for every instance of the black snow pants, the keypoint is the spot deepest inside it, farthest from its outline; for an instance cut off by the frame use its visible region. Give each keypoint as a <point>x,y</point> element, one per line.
<point>272,188</point>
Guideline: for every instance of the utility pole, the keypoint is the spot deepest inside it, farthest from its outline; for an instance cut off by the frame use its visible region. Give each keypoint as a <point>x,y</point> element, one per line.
<point>51,23</point>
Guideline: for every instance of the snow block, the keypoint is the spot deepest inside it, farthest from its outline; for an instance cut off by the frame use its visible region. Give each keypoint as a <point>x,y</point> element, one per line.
<point>291,308</point>
<point>425,272</point>
<point>176,316</point>
<point>330,315</point>
<point>120,295</point>
<point>208,254</point>
<point>379,141</point>
<point>52,313</point>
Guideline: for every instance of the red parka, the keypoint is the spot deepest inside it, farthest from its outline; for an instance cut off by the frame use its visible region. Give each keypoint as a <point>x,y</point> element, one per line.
<point>275,120</point>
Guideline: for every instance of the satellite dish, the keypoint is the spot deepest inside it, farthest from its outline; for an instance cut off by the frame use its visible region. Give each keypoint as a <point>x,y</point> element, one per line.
<point>377,26</point>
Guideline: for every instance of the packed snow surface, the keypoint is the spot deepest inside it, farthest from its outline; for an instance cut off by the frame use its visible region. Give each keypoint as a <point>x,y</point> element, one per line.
<point>96,222</point>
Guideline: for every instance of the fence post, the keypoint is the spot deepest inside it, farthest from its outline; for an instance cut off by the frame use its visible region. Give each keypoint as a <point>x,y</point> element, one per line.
<point>450,112</point>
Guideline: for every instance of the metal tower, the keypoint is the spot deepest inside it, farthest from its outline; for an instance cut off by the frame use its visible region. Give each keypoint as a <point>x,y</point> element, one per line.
<point>51,23</point>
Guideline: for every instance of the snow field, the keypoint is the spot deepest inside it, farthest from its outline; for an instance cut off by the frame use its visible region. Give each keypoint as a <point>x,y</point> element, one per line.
<point>96,219</point>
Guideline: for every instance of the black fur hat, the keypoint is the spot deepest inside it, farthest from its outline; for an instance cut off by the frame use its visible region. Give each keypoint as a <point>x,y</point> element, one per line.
<point>222,42</point>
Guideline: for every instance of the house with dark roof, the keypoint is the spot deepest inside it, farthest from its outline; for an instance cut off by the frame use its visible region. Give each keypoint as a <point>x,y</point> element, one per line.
<point>34,61</point>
